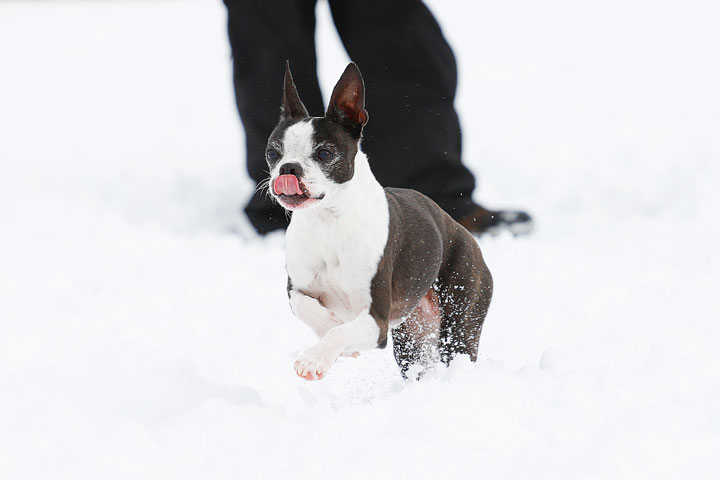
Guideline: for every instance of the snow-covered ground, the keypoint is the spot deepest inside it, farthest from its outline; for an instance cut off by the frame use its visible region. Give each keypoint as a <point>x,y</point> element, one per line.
<point>145,334</point>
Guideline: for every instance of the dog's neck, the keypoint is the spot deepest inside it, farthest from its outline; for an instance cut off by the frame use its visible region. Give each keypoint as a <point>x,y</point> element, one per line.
<point>360,198</point>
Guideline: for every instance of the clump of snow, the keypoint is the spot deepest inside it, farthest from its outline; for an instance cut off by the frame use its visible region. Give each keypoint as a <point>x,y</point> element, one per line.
<point>145,332</point>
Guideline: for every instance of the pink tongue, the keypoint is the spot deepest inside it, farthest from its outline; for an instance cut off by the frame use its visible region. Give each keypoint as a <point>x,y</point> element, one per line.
<point>287,185</point>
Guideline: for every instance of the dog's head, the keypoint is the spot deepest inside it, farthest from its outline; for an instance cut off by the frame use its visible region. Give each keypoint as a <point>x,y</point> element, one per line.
<point>312,158</point>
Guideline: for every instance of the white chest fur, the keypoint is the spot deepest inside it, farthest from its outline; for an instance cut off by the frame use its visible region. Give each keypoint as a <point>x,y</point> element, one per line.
<point>333,249</point>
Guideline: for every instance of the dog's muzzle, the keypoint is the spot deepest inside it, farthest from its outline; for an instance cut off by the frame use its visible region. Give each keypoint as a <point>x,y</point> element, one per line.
<point>291,193</point>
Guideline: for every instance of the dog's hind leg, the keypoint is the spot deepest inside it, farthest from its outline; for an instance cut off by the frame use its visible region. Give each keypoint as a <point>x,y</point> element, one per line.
<point>415,340</point>
<point>464,289</point>
<point>460,331</point>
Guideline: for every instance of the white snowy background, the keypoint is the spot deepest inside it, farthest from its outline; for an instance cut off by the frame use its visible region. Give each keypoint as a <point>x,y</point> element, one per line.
<point>145,332</point>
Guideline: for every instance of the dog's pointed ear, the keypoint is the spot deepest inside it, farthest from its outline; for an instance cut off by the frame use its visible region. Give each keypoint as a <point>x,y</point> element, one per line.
<point>347,103</point>
<point>292,106</point>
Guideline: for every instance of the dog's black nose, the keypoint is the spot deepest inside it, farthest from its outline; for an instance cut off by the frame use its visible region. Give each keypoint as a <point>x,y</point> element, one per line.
<point>291,169</point>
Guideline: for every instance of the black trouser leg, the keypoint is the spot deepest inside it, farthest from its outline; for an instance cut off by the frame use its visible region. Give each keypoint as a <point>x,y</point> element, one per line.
<point>263,34</point>
<point>413,137</point>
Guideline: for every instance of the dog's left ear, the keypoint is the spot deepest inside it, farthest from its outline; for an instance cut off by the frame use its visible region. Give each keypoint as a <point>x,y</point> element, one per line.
<point>347,103</point>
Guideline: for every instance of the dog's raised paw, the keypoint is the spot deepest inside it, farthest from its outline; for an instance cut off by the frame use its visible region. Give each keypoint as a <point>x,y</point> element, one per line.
<point>312,365</point>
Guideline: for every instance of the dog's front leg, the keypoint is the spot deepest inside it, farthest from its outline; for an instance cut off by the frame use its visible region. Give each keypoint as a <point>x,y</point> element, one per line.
<point>360,334</point>
<point>312,313</point>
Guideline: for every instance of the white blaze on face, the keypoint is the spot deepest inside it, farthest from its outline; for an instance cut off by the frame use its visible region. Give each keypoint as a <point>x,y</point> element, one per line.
<point>298,143</point>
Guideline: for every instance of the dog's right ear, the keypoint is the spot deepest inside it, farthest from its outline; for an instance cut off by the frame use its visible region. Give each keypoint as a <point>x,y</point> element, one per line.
<point>292,106</point>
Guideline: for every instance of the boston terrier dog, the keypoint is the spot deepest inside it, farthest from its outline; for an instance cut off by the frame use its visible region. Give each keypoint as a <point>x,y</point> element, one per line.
<point>362,259</point>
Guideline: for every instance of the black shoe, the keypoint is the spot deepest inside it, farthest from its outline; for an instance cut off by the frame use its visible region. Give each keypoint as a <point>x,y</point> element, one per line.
<point>480,220</point>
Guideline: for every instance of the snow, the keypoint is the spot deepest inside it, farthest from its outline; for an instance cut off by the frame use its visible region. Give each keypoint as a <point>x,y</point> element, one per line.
<point>145,332</point>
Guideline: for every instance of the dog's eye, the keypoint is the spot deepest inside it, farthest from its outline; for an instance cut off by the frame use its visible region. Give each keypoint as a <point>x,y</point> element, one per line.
<point>324,155</point>
<point>272,155</point>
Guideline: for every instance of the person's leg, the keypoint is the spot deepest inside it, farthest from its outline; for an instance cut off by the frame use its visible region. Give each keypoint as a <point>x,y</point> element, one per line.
<point>413,137</point>
<point>263,34</point>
